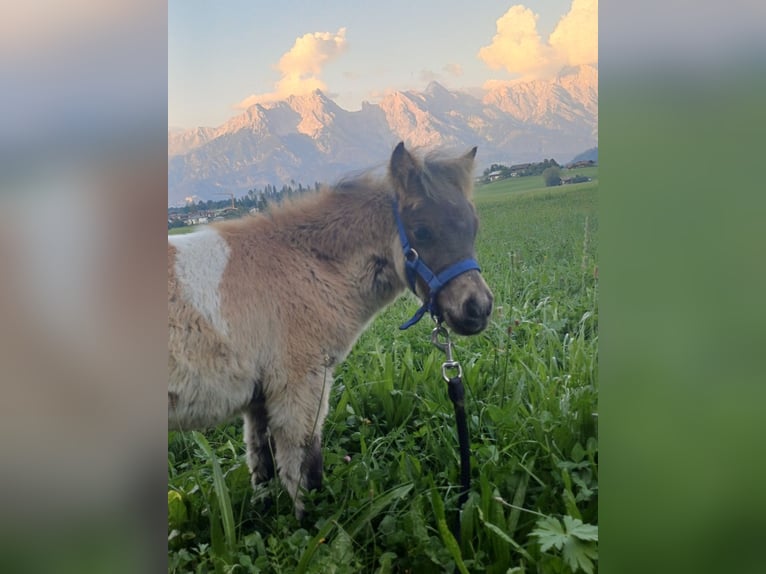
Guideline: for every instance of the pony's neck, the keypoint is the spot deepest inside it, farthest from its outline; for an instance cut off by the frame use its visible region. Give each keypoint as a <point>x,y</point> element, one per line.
<point>354,231</point>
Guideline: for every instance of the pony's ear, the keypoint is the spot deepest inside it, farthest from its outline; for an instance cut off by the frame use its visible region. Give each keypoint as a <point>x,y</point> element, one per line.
<point>404,170</point>
<point>467,159</point>
<point>466,163</point>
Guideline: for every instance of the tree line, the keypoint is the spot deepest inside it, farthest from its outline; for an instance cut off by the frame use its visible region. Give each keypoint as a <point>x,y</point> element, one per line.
<point>231,207</point>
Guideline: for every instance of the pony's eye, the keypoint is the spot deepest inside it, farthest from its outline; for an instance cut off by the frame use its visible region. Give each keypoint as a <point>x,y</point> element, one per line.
<point>423,234</point>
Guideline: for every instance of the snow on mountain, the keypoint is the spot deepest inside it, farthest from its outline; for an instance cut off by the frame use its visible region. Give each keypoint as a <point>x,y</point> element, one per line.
<point>568,103</point>
<point>310,138</point>
<point>181,141</point>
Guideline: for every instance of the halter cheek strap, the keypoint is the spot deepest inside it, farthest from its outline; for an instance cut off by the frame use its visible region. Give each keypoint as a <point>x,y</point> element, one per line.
<point>414,266</point>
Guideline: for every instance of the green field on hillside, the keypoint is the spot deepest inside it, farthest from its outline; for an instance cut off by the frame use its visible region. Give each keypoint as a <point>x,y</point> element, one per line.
<point>520,184</point>
<point>181,230</point>
<point>391,466</point>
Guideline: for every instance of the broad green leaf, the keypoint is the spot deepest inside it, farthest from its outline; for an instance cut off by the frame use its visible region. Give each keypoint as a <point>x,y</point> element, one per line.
<point>575,540</point>
<point>582,531</point>
<point>578,555</point>
<point>177,515</point>
<point>550,533</point>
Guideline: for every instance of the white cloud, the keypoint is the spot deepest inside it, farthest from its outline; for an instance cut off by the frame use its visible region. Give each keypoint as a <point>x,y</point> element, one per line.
<point>518,47</point>
<point>302,65</point>
<point>429,76</point>
<point>575,38</point>
<point>455,70</point>
<point>448,70</point>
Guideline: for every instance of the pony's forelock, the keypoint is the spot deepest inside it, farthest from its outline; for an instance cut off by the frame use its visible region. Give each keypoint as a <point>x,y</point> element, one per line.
<point>442,173</point>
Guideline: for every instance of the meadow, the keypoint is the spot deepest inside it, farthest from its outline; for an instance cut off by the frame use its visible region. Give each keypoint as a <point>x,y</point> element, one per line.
<point>391,464</point>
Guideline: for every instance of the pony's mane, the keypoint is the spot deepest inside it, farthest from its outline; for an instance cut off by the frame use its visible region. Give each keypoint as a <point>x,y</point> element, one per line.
<point>370,180</point>
<point>443,177</point>
<point>442,172</point>
<point>346,193</point>
<point>439,172</point>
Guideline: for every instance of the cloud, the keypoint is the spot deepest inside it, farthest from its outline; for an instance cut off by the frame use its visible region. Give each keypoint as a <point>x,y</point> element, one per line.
<point>455,70</point>
<point>301,66</point>
<point>428,76</point>
<point>518,47</point>
<point>576,36</point>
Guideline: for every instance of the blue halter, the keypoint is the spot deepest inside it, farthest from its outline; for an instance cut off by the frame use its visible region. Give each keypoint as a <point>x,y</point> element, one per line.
<point>414,266</point>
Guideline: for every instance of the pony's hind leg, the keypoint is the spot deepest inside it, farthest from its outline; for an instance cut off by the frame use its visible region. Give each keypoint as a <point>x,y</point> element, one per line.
<point>260,448</point>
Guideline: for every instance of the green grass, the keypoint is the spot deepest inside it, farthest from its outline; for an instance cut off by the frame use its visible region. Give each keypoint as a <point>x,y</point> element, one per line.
<point>531,400</point>
<point>530,183</point>
<point>181,230</point>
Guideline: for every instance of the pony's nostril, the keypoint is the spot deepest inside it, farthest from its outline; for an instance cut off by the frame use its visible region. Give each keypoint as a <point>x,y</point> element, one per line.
<point>472,309</point>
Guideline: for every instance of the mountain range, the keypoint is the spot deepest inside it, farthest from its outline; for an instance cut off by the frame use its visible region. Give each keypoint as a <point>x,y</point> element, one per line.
<point>310,138</point>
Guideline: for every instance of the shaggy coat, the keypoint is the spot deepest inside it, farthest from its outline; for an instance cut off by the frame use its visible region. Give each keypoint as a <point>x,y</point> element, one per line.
<point>261,309</point>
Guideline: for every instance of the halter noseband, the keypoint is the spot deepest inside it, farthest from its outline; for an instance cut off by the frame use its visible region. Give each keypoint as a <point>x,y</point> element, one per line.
<point>414,266</point>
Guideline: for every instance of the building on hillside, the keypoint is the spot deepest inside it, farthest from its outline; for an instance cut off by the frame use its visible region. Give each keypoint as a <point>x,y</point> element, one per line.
<point>584,163</point>
<point>495,175</point>
<point>519,167</point>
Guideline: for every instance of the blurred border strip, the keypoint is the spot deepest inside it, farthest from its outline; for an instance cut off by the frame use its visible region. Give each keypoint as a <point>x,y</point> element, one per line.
<point>682,276</point>
<point>83,188</point>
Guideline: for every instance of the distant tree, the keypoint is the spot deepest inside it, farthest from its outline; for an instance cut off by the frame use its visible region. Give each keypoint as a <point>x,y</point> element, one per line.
<point>552,176</point>
<point>176,223</point>
<point>263,203</point>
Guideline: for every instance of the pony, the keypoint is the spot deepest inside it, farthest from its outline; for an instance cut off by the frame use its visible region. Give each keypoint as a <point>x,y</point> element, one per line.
<point>262,308</point>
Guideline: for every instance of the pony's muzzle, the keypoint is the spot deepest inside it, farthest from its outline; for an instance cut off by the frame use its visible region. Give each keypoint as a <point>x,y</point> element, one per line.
<point>465,304</point>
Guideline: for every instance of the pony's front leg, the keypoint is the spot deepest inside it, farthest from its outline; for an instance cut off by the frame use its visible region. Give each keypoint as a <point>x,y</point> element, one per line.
<point>296,419</point>
<point>299,463</point>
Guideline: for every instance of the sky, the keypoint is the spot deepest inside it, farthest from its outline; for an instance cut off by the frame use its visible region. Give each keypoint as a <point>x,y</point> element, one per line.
<point>224,56</point>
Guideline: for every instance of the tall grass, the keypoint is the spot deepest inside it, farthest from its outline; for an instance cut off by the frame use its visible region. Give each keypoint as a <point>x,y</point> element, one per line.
<point>391,464</point>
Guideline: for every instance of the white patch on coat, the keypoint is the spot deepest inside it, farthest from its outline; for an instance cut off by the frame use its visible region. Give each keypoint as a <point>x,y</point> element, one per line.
<point>201,258</point>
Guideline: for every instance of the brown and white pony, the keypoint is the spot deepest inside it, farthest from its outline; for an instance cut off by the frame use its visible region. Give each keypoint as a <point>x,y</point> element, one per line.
<point>261,309</point>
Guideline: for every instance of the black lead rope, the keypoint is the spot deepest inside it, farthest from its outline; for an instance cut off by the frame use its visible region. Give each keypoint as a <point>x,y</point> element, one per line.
<point>456,393</point>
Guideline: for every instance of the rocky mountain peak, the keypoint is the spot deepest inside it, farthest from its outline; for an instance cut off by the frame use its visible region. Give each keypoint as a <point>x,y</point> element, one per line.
<point>310,138</point>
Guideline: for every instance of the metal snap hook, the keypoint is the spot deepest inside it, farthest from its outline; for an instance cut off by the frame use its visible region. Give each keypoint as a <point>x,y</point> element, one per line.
<point>446,346</point>
<point>451,365</point>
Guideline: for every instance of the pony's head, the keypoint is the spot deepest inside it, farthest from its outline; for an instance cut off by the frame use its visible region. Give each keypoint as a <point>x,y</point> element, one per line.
<point>438,227</point>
